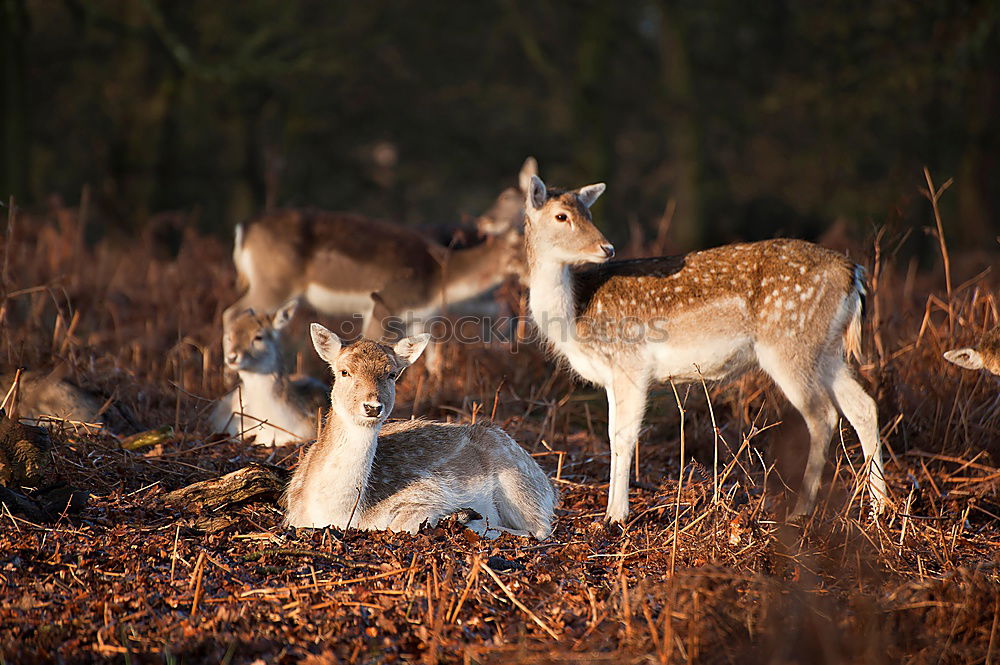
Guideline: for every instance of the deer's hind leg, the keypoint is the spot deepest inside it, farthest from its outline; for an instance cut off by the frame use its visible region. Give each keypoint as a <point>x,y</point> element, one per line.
<point>483,517</point>
<point>523,507</point>
<point>804,382</point>
<point>860,410</point>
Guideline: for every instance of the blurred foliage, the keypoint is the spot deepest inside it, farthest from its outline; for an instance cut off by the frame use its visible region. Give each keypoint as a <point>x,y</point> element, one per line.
<point>756,118</point>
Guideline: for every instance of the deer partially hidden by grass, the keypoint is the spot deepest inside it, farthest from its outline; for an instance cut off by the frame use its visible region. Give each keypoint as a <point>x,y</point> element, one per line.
<point>337,261</point>
<point>45,394</point>
<point>985,355</point>
<point>266,404</point>
<point>49,397</point>
<point>788,307</point>
<point>369,474</point>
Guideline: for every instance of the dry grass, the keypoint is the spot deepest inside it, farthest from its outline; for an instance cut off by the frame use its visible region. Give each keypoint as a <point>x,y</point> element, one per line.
<point>131,580</point>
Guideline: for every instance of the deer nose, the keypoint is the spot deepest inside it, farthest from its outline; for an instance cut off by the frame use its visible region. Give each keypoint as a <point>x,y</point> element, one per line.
<point>373,409</point>
<point>232,358</point>
<point>609,251</point>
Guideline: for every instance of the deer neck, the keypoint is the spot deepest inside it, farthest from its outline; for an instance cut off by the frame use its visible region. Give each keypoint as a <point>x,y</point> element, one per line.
<point>551,299</point>
<point>258,388</point>
<point>339,472</point>
<point>466,273</point>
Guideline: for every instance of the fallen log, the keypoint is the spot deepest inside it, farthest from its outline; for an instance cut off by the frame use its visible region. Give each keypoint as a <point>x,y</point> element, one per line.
<point>254,482</point>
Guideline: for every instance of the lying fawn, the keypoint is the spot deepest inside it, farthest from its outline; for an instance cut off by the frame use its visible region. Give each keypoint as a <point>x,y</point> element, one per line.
<point>266,403</point>
<point>336,261</point>
<point>984,356</point>
<point>50,395</point>
<point>788,307</point>
<point>367,473</point>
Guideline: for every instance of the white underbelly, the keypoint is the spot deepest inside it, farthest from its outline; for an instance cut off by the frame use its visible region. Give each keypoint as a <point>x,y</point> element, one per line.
<point>711,359</point>
<point>334,302</point>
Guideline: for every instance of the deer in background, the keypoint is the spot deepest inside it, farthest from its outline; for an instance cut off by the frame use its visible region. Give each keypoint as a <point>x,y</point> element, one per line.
<point>984,356</point>
<point>367,473</point>
<point>267,404</point>
<point>788,307</point>
<point>50,396</point>
<point>44,394</point>
<point>337,261</point>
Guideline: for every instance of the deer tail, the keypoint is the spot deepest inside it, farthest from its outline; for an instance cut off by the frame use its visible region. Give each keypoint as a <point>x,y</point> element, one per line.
<point>857,302</point>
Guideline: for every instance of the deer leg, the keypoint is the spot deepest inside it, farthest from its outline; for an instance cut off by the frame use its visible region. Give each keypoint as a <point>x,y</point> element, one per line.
<point>860,410</point>
<point>805,391</point>
<point>375,319</point>
<point>410,518</point>
<point>821,419</point>
<point>261,300</point>
<point>433,354</point>
<point>626,407</point>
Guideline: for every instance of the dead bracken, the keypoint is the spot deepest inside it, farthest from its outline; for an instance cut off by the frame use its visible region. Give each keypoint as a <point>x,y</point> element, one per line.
<point>707,572</point>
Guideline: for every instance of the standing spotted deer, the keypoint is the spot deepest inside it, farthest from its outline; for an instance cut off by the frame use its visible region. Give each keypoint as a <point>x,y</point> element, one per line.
<point>788,307</point>
<point>367,473</point>
<point>986,355</point>
<point>346,264</point>
<point>266,404</point>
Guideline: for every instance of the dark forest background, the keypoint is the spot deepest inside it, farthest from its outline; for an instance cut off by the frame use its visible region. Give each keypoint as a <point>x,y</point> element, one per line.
<point>754,118</point>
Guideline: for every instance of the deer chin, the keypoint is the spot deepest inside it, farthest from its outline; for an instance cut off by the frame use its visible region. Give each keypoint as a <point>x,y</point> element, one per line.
<point>371,422</point>
<point>592,257</point>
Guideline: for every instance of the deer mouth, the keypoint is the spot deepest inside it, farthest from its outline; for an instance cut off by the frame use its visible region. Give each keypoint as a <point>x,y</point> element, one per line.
<point>371,415</point>
<point>601,254</point>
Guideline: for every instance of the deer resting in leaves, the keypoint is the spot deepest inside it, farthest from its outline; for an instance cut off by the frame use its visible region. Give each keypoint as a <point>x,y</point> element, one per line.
<point>267,404</point>
<point>370,474</point>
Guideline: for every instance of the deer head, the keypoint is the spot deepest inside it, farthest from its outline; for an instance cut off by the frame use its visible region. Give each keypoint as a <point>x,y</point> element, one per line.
<point>365,374</point>
<point>559,227</point>
<point>507,212</point>
<point>251,342</point>
<point>984,356</point>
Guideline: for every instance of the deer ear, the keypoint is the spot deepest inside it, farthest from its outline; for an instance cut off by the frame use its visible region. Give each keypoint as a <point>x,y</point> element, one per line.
<point>326,343</point>
<point>285,313</point>
<point>409,349</point>
<point>536,193</point>
<point>589,194</point>
<point>528,169</point>
<point>967,358</point>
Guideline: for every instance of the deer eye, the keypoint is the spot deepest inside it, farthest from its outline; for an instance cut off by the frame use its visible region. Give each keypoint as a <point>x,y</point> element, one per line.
<point>343,372</point>
<point>259,337</point>
<point>561,217</point>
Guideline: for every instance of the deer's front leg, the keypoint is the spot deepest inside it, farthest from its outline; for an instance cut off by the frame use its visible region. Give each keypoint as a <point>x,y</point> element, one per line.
<point>626,407</point>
